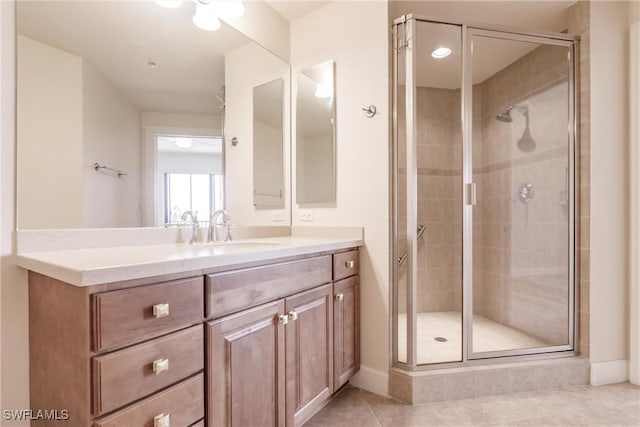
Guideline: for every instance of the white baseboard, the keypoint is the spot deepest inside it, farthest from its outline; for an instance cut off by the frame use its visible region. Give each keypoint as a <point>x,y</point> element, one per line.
<point>372,380</point>
<point>612,372</point>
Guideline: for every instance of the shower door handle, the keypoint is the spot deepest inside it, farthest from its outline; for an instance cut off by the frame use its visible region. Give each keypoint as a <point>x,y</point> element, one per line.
<point>470,194</point>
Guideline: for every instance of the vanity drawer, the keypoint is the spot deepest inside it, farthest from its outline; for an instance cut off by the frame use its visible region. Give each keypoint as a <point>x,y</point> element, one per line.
<point>179,406</point>
<point>129,315</point>
<point>345,264</point>
<point>240,289</point>
<point>126,375</point>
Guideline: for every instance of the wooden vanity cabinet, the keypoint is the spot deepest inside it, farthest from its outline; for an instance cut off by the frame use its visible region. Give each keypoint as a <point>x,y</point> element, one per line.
<point>130,353</point>
<point>245,368</point>
<point>279,363</point>
<point>346,329</point>
<point>309,353</point>
<point>263,345</point>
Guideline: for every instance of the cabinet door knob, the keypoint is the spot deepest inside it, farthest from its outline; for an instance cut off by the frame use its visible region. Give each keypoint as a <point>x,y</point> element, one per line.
<point>160,310</point>
<point>162,420</point>
<point>160,365</point>
<point>340,296</point>
<point>350,264</point>
<point>293,315</point>
<point>284,319</point>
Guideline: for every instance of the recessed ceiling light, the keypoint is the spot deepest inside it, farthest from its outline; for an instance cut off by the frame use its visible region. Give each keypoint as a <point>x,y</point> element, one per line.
<point>441,52</point>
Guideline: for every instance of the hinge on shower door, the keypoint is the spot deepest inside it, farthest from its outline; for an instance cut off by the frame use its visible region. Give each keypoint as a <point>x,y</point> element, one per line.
<point>470,194</point>
<point>402,41</point>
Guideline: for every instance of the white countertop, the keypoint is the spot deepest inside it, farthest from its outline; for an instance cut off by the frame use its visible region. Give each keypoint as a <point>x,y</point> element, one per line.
<point>85,267</point>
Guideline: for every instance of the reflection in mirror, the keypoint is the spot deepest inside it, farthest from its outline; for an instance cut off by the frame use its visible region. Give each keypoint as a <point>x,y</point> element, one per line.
<point>189,175</point>
<point>315,134</point>
<point>121,84</point>
<point>268,155</point>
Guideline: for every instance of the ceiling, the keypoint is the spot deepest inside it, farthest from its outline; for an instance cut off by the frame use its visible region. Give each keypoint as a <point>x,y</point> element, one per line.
<point>293,9</point>
<point>120,38</point>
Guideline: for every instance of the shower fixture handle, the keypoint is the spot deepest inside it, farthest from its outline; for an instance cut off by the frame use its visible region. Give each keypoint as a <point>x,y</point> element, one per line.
<point>470,194</point>
<point>526,192</point>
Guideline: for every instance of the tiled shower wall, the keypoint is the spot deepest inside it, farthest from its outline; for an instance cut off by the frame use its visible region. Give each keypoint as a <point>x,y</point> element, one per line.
<point>439,200</point>
<point>520,249</point>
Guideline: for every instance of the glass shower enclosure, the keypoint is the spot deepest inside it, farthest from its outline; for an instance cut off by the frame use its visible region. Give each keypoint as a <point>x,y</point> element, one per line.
<point>483,187</point>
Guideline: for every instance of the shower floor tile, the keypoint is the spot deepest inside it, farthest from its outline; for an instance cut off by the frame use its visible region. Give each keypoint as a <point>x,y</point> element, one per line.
<point>487,336</point>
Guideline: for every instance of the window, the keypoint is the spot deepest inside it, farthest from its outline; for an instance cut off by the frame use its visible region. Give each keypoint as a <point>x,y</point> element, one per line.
<point>199,193</point>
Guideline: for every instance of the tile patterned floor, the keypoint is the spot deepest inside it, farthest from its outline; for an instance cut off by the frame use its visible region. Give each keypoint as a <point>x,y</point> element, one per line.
<point>610,406</point>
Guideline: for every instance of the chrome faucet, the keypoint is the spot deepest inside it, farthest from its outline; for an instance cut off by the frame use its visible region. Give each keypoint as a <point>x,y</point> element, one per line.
<point>194,225</point>
<point>213,223</point>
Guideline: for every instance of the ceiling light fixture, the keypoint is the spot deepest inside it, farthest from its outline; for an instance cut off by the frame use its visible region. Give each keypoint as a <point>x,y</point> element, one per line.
<point>209,12</point>
<point>182,142</point>
<point>206,18</point>
<point>441,52</point>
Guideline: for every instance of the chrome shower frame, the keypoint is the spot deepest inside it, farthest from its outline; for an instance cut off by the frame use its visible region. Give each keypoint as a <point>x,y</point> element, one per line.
<point>403,37</point>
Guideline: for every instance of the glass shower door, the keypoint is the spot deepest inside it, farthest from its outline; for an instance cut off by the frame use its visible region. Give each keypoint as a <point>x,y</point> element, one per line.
<point>522,228</point>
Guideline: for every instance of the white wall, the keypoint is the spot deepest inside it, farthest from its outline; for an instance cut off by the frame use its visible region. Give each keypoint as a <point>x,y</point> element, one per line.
<point>246,67</point>
<point>355,36</point>
<point>609,207</point>
<point>14,343</point>
<point>50,130</point>
<point>112,137</point>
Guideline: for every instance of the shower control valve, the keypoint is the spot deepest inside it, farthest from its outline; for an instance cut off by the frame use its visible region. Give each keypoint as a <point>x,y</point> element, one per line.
<point>526,193</point>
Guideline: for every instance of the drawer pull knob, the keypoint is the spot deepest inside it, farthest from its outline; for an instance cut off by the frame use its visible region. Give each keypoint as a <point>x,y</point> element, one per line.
<point>160,310</point>
<point>293,315</point>
<point>340,296</point>
<point>160,365</point>
<point>350,264</point>
<point>162,420</point>
<point>284,319</point>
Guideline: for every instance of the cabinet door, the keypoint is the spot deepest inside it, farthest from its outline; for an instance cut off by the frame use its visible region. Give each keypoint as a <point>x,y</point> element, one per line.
<point>346,329</point>
<point>246,375</point>
<point>309,355</point>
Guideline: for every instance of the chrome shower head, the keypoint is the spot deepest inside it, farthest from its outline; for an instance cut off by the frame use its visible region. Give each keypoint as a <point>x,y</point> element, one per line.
<point>505,116</point>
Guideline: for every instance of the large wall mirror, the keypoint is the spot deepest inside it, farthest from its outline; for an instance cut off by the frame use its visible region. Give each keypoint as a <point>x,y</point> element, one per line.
<point>315,134</point>
<point>126,112</point>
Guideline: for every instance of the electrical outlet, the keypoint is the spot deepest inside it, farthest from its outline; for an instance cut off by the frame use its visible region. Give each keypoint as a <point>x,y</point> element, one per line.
<point>306,215</point>
<point>277,216</point>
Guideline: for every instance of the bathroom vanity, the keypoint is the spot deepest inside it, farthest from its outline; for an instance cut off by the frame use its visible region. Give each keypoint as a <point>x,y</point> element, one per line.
<point>250,337</point>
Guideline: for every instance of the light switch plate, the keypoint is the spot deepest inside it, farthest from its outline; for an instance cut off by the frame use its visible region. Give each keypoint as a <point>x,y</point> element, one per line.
<point>277,216</point>
<point>306,215</point>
